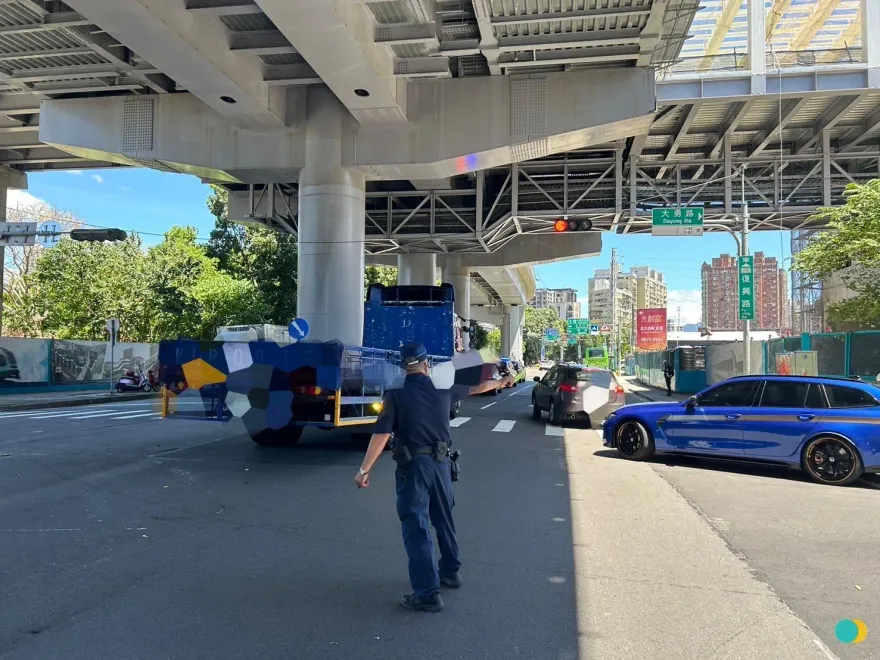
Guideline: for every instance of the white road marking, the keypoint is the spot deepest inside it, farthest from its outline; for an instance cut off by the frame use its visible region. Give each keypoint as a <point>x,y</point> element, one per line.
<point>94,415</point>
<point>489,406</point>
<point>67,413</point>
<point>504,426</point>
<point>458,421</point>
<point>149,414</point>
<point>553,430</point>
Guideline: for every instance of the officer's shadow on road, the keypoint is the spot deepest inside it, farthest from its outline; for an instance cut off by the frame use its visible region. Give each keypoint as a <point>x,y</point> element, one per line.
<point>869,481</point>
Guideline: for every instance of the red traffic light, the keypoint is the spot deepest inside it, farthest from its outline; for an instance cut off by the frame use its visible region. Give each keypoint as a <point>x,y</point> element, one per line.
<point>572,225</point>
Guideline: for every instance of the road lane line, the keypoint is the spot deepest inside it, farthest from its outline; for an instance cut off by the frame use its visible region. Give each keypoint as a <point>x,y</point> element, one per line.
<point>458,421</point>
<point>504,426</point>
<point>553,430</point>
<point>149,414</point>
<point>94,415</point>
<point>489,406</point>
<point>68,413</point>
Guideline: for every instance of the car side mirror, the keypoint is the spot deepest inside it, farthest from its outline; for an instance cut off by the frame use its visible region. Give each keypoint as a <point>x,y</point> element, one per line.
<point>691,402</point>
<point>537,379</point>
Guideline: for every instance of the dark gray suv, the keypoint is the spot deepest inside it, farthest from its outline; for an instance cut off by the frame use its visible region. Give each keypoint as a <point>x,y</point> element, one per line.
<point>576,392</point>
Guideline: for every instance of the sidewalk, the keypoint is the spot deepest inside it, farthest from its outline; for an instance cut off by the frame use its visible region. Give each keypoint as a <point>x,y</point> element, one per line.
<point>633,386</point>
<point>38,400</point>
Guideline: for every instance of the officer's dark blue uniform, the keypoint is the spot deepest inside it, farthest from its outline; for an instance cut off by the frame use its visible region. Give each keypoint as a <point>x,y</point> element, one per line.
<point>418,415</point>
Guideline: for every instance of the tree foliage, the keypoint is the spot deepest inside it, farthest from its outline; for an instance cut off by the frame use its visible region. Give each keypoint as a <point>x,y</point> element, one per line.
<point>386,275</point>
<point>850,248</point>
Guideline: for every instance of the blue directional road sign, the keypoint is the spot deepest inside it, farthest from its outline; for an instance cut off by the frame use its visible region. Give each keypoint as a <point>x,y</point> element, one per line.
<point>551,334</point>
<point>298,329</point>
<point>594,329</point>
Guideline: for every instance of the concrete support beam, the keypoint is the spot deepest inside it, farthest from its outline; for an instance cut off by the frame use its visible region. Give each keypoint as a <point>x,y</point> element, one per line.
<point>458,126</point>
<point>488,40</point>
<point>223,7</point>
<point>652,33</point>
<point>359,71</point>
<point>582,14</point>
<point>193,50</point>
<point>404,34</point>
<point>417,269</point>
<point>460,279</point>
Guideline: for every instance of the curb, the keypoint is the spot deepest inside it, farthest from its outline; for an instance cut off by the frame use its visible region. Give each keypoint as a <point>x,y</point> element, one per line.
<point>70,403</point>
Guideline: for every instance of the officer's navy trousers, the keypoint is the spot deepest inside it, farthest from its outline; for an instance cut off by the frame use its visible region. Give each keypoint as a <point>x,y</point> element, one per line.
<point>424,498</point>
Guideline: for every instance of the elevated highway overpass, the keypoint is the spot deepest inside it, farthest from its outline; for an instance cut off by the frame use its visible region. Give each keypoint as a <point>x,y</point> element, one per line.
<point>439,135</point>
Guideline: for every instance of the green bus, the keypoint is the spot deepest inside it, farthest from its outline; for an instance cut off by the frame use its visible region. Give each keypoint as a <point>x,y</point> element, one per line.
<point>597,357</point>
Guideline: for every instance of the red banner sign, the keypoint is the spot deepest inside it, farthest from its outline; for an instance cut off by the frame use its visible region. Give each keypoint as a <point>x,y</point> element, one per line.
<point>651,329</point>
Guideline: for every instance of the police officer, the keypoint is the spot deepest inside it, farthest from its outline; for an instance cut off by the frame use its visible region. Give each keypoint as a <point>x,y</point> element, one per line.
<point>418,416</point>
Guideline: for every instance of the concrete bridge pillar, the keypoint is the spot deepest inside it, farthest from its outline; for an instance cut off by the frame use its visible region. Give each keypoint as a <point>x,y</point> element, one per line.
<point>330,288</point>
<point>460,278</point>
<point>417,269</point>
<point>511,331</point>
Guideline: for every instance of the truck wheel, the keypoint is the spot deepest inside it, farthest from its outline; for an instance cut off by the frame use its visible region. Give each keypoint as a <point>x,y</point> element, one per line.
<point>285,437</point>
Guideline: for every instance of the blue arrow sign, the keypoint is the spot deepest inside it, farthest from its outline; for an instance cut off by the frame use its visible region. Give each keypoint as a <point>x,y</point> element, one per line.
<point>298,329</point>
<point>551,334</point>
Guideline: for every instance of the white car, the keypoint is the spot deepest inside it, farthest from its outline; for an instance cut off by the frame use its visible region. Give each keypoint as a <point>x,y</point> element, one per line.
<point>544,365</point>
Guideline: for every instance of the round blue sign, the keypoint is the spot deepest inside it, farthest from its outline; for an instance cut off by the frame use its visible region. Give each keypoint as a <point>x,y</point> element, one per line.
<point>298,329</point>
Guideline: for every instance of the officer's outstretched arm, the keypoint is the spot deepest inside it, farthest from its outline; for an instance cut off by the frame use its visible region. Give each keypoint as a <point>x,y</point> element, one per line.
<point>377,445</point>
<point>489,385</point>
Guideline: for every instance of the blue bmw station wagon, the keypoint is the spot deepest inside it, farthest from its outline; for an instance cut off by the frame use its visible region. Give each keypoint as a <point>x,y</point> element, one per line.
<point>828,427</point>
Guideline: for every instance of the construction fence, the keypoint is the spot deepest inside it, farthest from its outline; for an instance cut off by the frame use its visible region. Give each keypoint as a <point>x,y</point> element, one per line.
<point>839,354</point>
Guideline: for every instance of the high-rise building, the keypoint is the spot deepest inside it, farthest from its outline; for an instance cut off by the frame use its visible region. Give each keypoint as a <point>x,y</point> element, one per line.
<point>599,292</point>
<point>643,288</point>
<point>564,301</point>
<point>721,294</point>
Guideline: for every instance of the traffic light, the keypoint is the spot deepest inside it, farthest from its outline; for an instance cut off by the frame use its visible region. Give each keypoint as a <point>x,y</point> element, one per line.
<point>98,235</point>
<point>561,226</point>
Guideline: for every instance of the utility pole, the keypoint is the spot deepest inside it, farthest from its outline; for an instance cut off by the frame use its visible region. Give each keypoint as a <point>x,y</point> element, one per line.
<point>747,366</point>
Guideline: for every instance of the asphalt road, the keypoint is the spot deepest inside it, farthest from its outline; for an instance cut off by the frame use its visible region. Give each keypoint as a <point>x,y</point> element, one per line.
<point>126,536</point>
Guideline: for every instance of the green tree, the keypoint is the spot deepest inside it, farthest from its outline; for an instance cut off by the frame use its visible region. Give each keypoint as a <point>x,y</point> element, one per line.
<point>266,258</point>
<point>851,247</point>
<point>80,285</point>
<point>386,275</point>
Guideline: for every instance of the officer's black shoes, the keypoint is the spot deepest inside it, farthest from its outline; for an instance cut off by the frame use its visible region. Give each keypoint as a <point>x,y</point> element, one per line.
<point>427,604</point>
<point>451,581</point>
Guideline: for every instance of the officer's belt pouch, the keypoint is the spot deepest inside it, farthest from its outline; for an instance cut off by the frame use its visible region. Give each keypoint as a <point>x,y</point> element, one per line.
<point>440,451</point>
<point>400,454</point>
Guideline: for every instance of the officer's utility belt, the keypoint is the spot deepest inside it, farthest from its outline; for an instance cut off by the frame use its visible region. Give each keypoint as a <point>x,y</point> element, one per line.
<point>403,455</point>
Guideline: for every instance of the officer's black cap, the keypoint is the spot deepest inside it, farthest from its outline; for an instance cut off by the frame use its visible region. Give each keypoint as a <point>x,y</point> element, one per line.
<point>413,353</point>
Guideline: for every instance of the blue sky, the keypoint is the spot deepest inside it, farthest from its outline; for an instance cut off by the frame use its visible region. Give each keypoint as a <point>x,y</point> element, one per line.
<point>150,202</point>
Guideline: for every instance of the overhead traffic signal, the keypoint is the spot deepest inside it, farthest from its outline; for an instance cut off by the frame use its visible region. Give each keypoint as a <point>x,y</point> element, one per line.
<point>561,226</point>
<point>98,235</point>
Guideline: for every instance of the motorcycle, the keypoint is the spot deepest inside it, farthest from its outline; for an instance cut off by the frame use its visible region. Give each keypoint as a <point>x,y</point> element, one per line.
<point>137,382</point>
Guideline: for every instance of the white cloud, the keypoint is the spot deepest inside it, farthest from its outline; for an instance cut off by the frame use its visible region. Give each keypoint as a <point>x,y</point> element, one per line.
<point>21,198</point>
<point>98,178</point>
<point>75,172</point>
<point>689,300</point>
<point>125,189</point>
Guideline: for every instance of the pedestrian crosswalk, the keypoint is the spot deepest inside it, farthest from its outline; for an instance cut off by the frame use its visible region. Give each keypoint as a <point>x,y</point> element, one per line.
<point>110,413</point>
<point>507,425</point>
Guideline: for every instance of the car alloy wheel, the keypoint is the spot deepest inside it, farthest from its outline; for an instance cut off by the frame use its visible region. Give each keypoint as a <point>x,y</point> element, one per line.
<point>831,460</point>
<point>633,441</point>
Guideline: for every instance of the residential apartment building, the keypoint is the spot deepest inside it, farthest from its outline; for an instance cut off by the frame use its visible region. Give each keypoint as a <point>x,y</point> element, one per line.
<point>564,301</point>
<point>601,309</point>
<point>720,281</point>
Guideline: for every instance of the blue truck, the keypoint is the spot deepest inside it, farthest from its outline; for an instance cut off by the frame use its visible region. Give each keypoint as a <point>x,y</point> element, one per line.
<point>278,390</point>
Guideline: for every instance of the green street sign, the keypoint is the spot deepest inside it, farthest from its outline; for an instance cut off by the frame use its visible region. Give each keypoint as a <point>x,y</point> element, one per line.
<point>578,326</point>
<point>677,221</point>
<point>746,288</point>
<point>572,341</point>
